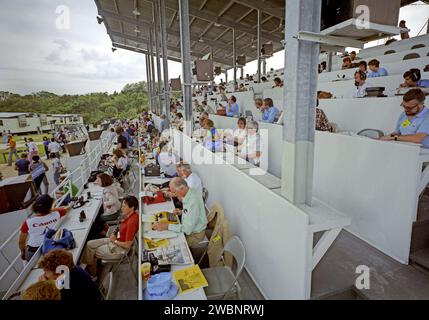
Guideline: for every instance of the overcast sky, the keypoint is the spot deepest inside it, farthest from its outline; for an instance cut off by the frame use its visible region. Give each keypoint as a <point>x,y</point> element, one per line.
<point>35,55</point>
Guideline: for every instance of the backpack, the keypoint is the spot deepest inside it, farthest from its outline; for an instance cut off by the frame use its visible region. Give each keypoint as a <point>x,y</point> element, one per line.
<point>66,240</point>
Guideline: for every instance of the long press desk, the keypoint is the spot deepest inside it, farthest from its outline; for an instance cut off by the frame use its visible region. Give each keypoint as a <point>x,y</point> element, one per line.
<point>79,229</point>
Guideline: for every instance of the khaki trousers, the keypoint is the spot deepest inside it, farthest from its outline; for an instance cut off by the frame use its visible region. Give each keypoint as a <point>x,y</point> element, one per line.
<point>100,249</point>
<point>195,238</point>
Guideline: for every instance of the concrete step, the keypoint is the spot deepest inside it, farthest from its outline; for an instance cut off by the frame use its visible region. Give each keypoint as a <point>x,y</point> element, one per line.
<point>420,236</point>
<point>351,293</point>
<point>421,258</point>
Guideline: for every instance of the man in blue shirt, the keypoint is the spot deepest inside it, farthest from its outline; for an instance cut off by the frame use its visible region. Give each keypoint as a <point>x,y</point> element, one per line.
<point>270,113</point>
<point>413,123</point>
<point>232,108</point>
<point>376,70</point>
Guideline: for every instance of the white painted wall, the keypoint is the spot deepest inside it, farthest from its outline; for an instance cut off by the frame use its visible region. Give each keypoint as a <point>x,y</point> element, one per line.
<point>363,178</point>
<point>374,183</point>
<point>273,231</point>
<point>366,113</point>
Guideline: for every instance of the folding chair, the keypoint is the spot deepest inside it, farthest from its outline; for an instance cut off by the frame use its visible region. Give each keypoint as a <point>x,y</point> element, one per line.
<point>223,281</point>
<point>106,286</point>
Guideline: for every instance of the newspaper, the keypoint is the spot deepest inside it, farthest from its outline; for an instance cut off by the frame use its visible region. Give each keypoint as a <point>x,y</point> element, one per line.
<point>189,279</point>
<point>174,254</point>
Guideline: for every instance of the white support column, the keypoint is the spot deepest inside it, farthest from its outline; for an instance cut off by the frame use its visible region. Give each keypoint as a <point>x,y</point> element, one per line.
<point>301,73</point>
<point>185,45</point>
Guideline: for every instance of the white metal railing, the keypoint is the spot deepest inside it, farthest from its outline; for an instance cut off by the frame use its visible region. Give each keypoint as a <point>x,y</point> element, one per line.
<point>80,174</point>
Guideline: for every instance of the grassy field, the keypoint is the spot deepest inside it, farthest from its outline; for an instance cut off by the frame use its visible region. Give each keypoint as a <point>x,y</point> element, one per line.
<point>19,140</point>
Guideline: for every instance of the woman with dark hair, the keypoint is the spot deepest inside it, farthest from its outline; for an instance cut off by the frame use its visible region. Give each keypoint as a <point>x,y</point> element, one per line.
<point>120,162</point>
<point>110,210</point>
<point>33,228</point>
<point>119,243</point>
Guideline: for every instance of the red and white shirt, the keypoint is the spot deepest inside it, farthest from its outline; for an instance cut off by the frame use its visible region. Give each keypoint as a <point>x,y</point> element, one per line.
<point>35,226</point>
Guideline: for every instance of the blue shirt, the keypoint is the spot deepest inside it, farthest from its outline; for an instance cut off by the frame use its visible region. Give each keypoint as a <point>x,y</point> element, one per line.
<point>424,83</point>
<point>233,110</point>
<point>418,124</point>
<point>270,115</point>
<point>382,72</point>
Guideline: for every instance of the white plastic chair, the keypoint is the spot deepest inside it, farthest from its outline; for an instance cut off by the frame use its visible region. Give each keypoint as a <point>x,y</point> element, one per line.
<point>222,280</point>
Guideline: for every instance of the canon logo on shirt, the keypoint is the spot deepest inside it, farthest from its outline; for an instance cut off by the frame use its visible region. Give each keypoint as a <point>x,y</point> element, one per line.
<point>42,224</point>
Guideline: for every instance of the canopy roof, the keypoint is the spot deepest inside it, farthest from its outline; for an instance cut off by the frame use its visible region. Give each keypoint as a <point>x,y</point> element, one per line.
<point>211,21</point>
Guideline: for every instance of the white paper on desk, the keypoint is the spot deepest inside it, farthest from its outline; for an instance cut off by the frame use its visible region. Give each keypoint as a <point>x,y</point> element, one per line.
<point>152,234</point>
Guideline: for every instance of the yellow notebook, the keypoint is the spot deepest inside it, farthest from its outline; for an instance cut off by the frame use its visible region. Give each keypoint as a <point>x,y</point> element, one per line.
<point>155,244</point>
<point>189,279</point>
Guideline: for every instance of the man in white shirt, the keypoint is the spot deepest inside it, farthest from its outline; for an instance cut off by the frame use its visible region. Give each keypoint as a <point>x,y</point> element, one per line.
<point>54,147</point>
<point>184,170</point>
<point>361,84</point>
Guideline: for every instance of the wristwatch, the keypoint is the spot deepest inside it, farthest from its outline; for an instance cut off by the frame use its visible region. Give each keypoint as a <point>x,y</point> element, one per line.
<point>395,136</point>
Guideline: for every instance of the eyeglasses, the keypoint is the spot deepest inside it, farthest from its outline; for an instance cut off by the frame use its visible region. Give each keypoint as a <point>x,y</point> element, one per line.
<point>409,107</point>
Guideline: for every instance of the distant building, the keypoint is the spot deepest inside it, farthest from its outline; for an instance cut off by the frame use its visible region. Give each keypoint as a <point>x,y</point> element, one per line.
<point>24,123</point>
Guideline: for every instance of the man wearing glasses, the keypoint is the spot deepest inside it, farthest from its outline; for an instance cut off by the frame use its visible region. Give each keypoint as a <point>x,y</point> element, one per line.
<point>413,123</point>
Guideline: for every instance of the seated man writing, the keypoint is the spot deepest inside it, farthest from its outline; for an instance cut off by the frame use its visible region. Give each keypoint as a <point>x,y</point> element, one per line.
<point>413,123</point>
<point>194,220</point>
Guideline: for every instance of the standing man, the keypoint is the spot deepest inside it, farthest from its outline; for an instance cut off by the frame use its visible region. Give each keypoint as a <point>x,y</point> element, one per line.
<point>12,149</point>
<point>54,147</point>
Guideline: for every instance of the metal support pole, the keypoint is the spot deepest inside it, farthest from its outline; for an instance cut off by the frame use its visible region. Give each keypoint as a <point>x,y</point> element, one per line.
<point>162,21</point>
<point>158,58</point>
<point>234,58</point>
<point>152,66</point>
<point>148,77</point>
<point>185,45</point>
<point>301,61</point>
<point>329,62</point>
<point>241,72</point>
<point>211,53</point>
<point>259,45</point>
<point>226,75</point>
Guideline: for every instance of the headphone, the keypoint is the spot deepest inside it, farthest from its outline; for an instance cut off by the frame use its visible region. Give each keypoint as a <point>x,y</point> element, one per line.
<point>415,75</point>
<point>362,74</point>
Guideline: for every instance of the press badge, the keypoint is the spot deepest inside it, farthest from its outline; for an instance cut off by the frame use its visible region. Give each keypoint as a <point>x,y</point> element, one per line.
<point>406,123</point>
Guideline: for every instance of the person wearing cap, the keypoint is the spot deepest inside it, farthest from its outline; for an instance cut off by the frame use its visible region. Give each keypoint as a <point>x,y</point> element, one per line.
<point>194,220</point>
<point>33,228</point>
